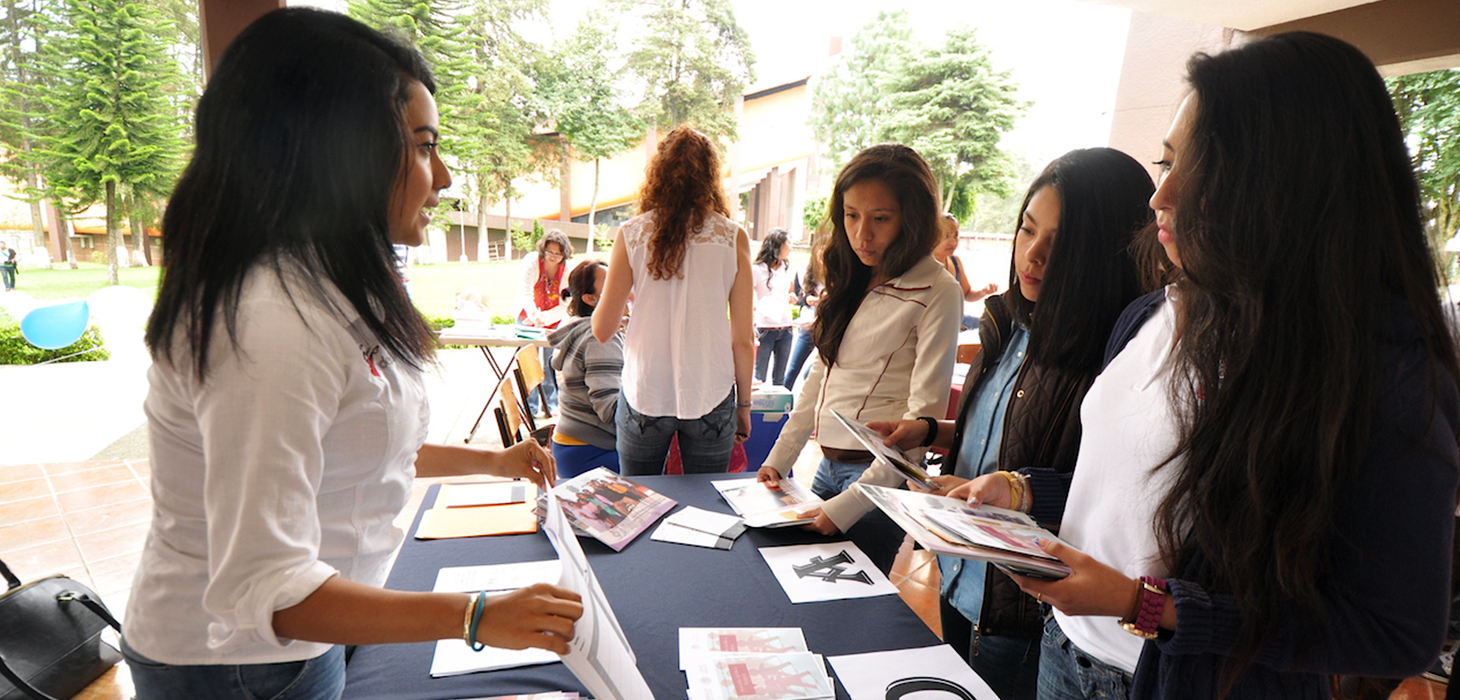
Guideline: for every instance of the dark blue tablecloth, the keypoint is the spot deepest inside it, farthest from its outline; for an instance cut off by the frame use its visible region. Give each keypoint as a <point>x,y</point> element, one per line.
<point>655,589</point>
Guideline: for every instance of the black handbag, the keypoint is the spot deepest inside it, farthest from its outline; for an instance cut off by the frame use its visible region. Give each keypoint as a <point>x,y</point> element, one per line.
<point>50,638</point>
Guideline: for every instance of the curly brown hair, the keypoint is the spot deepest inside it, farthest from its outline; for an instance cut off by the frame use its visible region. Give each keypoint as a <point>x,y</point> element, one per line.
<point>682,185</point>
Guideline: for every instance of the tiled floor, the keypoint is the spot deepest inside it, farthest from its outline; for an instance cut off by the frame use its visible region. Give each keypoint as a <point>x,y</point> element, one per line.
<point>88,520</point>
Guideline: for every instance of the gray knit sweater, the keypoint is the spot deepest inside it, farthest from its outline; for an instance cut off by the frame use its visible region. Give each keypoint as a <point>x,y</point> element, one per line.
<point>588,382</point>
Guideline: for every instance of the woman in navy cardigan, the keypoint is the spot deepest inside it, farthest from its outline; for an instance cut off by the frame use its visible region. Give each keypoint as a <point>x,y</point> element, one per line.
<point>1265,492</point>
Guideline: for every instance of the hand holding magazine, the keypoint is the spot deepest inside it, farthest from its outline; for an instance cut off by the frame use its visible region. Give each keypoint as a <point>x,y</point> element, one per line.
<point>942,525</point>
<point>890,456</point>
<point>763,506</point>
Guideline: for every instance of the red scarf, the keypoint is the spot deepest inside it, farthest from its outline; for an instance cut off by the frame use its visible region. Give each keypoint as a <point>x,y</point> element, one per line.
<point>546,293</point>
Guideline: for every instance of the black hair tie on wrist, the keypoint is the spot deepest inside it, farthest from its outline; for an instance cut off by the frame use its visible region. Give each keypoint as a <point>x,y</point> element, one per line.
<point>932,430</point>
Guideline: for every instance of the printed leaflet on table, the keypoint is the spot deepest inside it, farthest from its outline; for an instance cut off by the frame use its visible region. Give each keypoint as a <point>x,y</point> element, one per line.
<point>701,528</point>
<point>762,506</point>
<point>812,573</point>
<point>996,535</point>
<point>610,508</point>
<point>750,663</point>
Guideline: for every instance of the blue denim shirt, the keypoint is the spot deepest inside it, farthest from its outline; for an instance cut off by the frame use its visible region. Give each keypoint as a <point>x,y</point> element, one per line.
<point>962,579</point>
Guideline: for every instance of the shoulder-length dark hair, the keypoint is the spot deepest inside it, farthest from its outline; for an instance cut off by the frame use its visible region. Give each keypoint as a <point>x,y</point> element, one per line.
<point>299,145</point>
<point>907,175</point>
<point>1300,236</point>
<point>1104,200</point>
<point>770,248</point>
<point>681,186</point>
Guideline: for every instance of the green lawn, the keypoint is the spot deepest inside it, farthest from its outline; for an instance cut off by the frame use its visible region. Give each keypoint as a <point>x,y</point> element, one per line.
<point>433,287</point>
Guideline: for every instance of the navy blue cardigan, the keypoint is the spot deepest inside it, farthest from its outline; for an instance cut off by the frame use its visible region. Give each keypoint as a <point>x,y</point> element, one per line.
<point>1386,613</point>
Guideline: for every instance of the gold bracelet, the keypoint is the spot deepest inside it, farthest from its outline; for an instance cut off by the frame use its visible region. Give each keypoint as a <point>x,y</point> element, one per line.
<point>471,606</point>
<point>1015,489</point>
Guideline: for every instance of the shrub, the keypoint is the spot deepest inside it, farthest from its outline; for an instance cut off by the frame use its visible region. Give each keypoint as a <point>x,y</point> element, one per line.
<point>14,350</point>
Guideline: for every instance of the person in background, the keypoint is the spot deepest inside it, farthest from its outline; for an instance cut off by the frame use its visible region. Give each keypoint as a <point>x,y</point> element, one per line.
<point>808,296</point>
<point>539,297</point>
<point>1071,273</point>
<point>584,437</point>
<point>1265,491</point>
<point>7,265</point>
<point>690,343</point>
<point>287,410</point>
<point>886,329</point>
<point>403,266</point>
<point>773,280</point>
<point>945,253</point>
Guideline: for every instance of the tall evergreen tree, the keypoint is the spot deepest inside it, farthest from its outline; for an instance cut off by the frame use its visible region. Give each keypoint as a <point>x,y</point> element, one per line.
<point>109,124</point>
<point>1429,112</point>
<point>585,101</point>
<point>691,61</point>
<point>19,84</point>
<point>948,103</point>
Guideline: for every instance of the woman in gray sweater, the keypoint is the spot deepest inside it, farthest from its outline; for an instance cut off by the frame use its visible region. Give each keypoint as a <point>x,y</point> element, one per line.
<point>588,380</point>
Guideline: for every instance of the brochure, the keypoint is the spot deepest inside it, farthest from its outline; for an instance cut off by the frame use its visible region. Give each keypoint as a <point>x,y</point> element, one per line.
<point>701,528</point>
<point>610,508</point>
<point>599,654</point>
<point>700,641</point>
<point>996,535</point>
<point>791,676</point>
<point>762,506</point>
<point>887,455</point>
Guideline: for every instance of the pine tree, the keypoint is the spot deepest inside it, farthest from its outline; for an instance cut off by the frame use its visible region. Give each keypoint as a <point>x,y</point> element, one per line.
<point>691,62</point>
<point>110,125</point>
<point>19,84</point>
<point>586,104</point>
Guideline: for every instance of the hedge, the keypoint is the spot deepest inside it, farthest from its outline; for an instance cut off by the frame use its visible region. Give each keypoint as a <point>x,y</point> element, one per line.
<point>15,350</point>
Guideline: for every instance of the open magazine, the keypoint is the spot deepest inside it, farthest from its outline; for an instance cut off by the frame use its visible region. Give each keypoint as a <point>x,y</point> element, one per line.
<point>610,508</point>
<point>762,506</point>
<point>949,526</point>
<point>888,455</point>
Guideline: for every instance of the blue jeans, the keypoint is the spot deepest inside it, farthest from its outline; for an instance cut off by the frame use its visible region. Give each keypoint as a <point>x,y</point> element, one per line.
<point>800,352</point>
<point>575,459</point>
<point>8,272</point>
<point>320,678</point>
<point>1067,673</point>
<point>877,536</point>
<point>773,342</point>
<point>549,386</point>
<point>705,443</point>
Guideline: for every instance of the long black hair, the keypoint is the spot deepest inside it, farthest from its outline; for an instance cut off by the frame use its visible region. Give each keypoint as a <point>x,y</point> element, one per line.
<point>770,249</point>
<point>1092,273</point>
<point>299,145</point>
<point>1299,232</point>
<point>907,175</point>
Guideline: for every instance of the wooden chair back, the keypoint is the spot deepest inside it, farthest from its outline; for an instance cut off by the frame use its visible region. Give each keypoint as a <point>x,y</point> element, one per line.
<point>509,413</point>
<point>968,351</point>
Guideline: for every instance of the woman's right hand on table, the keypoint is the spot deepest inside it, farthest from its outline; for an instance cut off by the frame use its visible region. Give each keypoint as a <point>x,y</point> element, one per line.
<point>540,615</point>
<point>989,489</point>
<point>902,434</point>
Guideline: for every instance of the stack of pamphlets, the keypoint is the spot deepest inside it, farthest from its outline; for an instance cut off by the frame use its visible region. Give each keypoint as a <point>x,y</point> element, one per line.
<point>770,663</point>
<point>762,506</point>
<point>610,508</point>
<point>476,510</point>
<point>942,525</point>
<point>701,528</point>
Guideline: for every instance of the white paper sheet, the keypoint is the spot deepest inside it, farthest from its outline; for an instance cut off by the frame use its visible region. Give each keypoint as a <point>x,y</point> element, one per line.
<point>496,577</point>
<point>930,671</point>
<point>676,534</point>
<point>452,656</point>
<point>812,573</point>
<point>599,655</point>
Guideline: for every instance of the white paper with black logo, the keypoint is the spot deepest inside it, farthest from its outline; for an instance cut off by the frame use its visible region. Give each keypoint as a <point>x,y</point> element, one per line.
<point>812,573</point>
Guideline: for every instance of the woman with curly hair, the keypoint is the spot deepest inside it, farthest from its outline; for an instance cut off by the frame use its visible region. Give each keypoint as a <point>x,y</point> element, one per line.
<point>687,363</point>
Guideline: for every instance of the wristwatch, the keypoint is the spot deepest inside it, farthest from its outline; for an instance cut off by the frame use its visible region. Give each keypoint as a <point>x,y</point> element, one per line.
<point>1147,615</point>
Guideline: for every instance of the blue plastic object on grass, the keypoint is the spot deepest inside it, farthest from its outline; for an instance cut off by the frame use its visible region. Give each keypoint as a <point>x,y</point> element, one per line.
<point>55,327</point>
